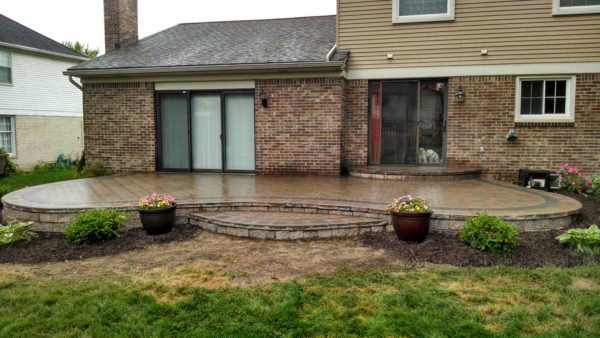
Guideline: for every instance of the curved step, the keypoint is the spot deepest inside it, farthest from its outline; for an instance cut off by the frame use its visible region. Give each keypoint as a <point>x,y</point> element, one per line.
<point>415,173</point>
<point>285,225</point>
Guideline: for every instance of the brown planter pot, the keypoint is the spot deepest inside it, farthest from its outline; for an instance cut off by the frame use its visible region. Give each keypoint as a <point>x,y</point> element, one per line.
<point>411,227</point>
<point>158,221</point>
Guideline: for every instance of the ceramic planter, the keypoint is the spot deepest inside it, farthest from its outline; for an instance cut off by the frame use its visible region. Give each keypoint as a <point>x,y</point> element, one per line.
<point>411,227</point>
<point>158,221</point>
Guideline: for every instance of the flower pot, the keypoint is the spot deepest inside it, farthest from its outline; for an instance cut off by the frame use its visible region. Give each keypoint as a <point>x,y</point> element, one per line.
<point>411,227</point>
<point>158,221</point>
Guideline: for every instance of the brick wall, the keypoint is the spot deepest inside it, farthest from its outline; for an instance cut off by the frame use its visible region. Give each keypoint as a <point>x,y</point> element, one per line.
<point>120,23</point>
<point>488,113</point>
<point>119,126</point>
<point>300,131</point>
<point>355,132</point>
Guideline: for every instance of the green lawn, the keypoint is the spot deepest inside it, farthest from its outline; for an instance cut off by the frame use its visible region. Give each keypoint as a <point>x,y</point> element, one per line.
<point>30,178</point>
<point>423,302</point>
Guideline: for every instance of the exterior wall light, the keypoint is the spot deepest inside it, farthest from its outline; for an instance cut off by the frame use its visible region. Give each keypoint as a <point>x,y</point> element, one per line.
<point>264,99</point>
<point>460,95</point>
<point>512,136</point>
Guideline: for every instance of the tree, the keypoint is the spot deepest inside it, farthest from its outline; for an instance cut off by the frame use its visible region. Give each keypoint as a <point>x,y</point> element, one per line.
<point>83,49</point>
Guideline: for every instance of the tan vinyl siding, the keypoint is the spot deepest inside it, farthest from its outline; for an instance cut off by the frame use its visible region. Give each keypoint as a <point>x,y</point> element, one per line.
<point>513,31</point>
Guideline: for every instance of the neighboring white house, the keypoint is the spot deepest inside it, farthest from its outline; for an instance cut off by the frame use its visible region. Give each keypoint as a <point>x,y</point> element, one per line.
<point>41,112</point>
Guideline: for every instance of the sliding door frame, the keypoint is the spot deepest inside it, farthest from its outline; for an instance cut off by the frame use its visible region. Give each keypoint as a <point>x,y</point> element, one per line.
<point>189,94</point>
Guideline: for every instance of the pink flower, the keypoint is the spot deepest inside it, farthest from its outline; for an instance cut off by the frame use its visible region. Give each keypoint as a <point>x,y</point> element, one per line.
<point>588,182</point>
<point>565,166</point>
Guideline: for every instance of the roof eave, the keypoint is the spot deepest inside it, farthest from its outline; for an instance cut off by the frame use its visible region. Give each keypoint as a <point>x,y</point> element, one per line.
<point>42,51</point>
<point>303,66</point>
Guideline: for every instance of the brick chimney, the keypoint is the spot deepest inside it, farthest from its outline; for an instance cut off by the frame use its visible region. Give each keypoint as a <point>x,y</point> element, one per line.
<point>120,23</point>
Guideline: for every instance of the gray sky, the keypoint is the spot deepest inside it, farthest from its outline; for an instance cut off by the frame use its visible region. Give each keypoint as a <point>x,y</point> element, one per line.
<point>83,20</point>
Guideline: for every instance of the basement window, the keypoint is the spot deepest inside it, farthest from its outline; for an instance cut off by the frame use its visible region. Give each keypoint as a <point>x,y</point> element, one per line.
<point>566,7</point>
<point>545,99</point>
<point>7,134</point>
<point>406,11</point>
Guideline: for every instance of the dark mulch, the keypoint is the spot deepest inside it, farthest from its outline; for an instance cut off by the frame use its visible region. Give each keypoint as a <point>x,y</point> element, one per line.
<point>51,247</point>
<point>535,249</point>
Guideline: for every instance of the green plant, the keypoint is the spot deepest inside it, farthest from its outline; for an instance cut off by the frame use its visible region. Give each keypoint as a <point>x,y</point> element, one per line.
<point>95,169</point>
<point>594,187</point>
<point>410,204</point>
<point>80,162</point>
<point>571,180</point>
<point>586,241</point>
<point>156,201</point>
<point>489,233</point>
<point>16,231</point>
<point>96,225</point>
<point>82,49</point>
<point>11,167</point>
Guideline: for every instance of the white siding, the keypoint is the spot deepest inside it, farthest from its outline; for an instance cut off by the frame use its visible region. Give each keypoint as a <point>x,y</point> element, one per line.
<point>39,87</point>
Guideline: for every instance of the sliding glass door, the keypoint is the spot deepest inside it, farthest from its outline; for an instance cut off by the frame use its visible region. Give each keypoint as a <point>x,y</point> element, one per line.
<point>206,131</point>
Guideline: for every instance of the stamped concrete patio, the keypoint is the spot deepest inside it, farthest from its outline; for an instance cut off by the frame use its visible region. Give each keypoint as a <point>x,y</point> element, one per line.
<point>52,205</point>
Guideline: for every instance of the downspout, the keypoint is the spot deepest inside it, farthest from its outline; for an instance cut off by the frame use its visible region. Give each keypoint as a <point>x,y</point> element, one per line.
<point>75,83</point>
<point>331,52</point>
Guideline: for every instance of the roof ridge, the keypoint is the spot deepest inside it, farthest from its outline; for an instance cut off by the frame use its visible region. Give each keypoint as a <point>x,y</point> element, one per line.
<point>254,20</point>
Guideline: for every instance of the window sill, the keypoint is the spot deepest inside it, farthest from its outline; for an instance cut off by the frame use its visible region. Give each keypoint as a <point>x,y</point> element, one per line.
<point>422,18</point>
<point>576,11</point>
<point>545,124</point>
<point>6,84</point>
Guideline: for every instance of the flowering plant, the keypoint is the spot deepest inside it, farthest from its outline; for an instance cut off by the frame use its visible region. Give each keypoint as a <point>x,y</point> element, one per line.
<point>410,204</point>
<point>571,180</point>
<point>156,201</point>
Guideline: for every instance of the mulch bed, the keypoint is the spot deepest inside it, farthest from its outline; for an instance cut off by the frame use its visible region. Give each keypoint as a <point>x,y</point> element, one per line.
<point>51,247</point>
<point>534,249</point>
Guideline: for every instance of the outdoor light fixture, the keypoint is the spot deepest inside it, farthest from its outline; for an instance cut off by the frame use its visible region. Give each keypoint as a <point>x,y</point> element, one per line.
<point>512,136</point>
<point>264,99</point>
<point>460,95</point>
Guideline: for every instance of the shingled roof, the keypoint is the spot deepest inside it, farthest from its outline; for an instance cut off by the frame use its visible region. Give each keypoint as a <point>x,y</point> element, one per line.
<point>13,33</point>
<point>253,42</point>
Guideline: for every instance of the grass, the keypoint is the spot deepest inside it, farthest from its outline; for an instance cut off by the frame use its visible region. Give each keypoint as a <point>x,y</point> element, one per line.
<point>430,302</point>
<point>41,175</point>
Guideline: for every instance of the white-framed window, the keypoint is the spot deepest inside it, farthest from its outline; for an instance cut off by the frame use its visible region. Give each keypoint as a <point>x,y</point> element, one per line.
<point>566,7</point>
<point>7,134</point>
<point>5,67</point>
<point>405,11</point>
<point>545,99</point>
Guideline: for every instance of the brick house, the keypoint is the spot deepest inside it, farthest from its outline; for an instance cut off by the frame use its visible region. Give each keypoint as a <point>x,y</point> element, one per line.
<point>399,82</point>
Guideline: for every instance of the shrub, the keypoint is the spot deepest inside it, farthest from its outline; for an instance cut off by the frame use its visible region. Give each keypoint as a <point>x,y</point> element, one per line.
<point>571,180</point>
<point>489,233</point>
<point>80,163</point>
<point>95,169</point>
<point>594,187</point>
<point>11,167</point>
<point>96,225</point>
<point>16,231</point>
<point>586,241</point>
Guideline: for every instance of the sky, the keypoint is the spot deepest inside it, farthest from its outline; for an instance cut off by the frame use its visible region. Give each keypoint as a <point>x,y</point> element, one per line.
<point>83,20</point>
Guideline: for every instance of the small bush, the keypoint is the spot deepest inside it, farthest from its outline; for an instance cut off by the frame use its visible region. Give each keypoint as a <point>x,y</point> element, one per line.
<point>95,169</point>
<point>16,231</point>
<point>586,241</point>
<point>489,233</point>
<point>595,186</point>
<point>11,167</point>
<point>96,225</point>
<point>570,179</point>
<point>80,163</point>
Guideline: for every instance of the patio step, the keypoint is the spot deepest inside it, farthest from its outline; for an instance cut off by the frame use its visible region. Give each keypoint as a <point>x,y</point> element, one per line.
<point>285,225</point>
<point>415,173</point>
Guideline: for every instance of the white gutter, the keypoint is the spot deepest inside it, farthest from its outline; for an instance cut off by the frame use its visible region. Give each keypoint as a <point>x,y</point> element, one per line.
<point>210,68</point>
<point>41,51</point>
<point>331,52</point>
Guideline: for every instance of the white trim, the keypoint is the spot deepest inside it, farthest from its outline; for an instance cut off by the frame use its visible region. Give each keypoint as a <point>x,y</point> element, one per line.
<point>448,16</point>
<point>18,112</point>
<point>13,135</point>
<point>569,115</point>
<point>449,71</point>
<point>569,10</point>
<point>41,51</point>
<point>207,85</point>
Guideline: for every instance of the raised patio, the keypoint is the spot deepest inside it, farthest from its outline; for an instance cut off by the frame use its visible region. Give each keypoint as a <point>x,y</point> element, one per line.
<point>224,203</point>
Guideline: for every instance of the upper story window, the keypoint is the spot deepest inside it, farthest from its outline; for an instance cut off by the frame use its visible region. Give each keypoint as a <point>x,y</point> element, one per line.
<point>5,67</point>
<point>422,10</point>
<point>545,99</point>
<point>7,134</point>
<point>560,7</point>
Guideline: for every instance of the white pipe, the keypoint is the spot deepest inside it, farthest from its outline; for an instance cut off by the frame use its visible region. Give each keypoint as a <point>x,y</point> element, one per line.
<point>330,54</point>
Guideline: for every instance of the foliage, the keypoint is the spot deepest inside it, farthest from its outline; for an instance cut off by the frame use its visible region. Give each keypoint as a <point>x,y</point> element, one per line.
<point>594,188</point>
<point>571,180</point>
<point>16,231</point>
<point>95,169</point>
<point>80,163</point>
<point>586,241</point>
<point>156,201</point>
<point>410,204</point>
<point>82,49</point>
<point>489,233</point>
<point>403,302</point>
<point>11,167</point>
<point>95,226</point>
<point>40,175</point>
